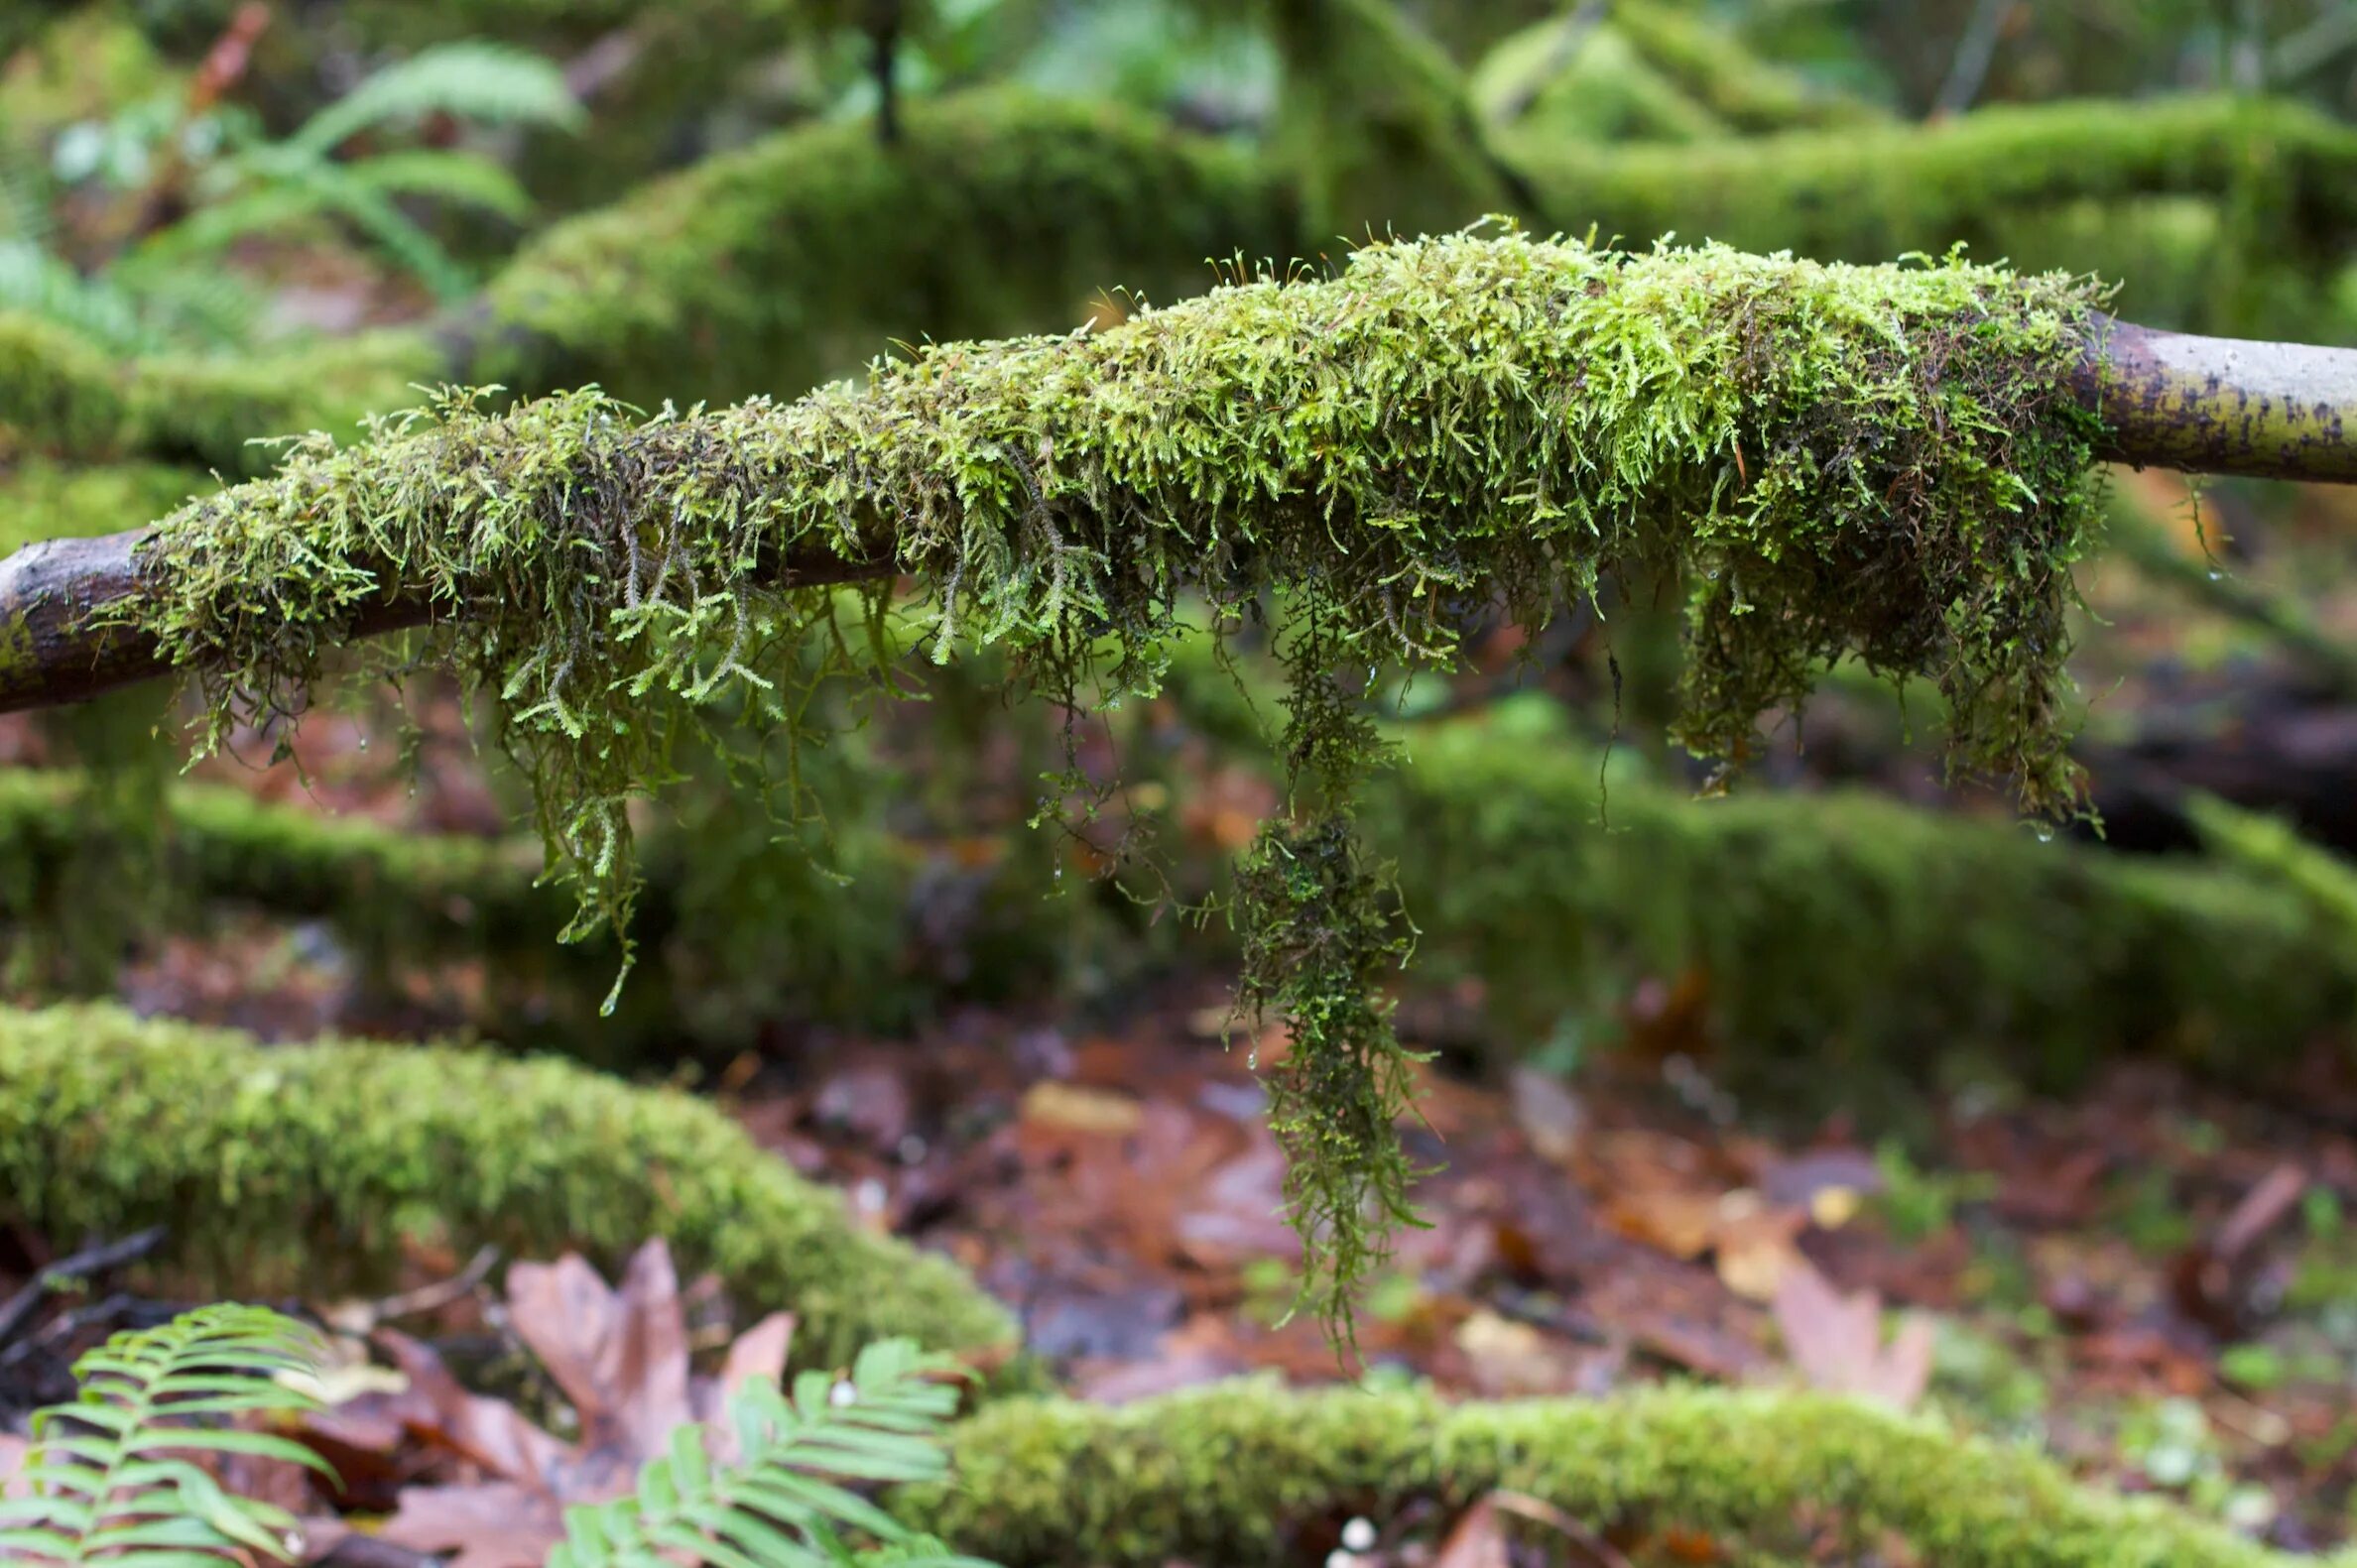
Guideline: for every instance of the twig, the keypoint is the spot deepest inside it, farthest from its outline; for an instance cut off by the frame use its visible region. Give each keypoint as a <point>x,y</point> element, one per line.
<point>363,1316</point>
<point>18,1308</point>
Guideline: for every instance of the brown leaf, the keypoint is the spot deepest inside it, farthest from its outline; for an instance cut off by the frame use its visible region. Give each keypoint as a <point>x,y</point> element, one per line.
<point>1550,1115</point>
<point>1478,1539</point>
<point>488,1432</point>
<point>497,1526</point>
<point>620,1356</point>
<point>1836,1341</point>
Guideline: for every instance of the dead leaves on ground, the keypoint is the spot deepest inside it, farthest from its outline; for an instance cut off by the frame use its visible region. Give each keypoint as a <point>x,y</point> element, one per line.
<point>619,1357</point>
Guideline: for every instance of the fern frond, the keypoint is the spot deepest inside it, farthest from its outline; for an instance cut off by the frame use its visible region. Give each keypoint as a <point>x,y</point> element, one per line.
<point>35,282</point>
<point>109,1476</point>
<point>461,177</point>
<point>783,1501</point>
<point>488,83</point>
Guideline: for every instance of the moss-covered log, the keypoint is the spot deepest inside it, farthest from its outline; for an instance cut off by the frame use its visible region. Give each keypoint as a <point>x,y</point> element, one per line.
<point>1820,932</point>
<point>314,1164</point>
<point>2093,186</point>
<point>1824,930</point>
<point>1237,1476</point>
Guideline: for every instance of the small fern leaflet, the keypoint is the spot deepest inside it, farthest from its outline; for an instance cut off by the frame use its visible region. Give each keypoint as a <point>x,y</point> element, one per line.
<point>781,1500</point>
<point>109,1474</point>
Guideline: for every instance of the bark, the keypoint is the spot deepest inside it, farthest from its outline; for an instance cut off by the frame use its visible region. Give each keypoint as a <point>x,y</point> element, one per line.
<point>2168,399</point>
<point>2224,406</point>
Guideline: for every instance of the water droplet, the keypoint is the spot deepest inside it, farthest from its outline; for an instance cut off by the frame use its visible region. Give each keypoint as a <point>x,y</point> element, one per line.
<point>843,1394</point>
<point>2043,830</point>
<point>2217,575</point>
<point>1359,1534</point>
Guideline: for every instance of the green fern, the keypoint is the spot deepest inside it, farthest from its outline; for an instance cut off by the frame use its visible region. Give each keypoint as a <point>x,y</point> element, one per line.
<point>781,1500</point>
<point>487,84</point>
<point>109,1474</point>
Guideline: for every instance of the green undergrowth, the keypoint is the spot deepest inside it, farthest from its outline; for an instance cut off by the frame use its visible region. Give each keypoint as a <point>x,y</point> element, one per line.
<point>312,1166</point>
<point>63,398</point>
<point>766,270</point>
<point>805,254</point>
<point>1880,460</point>
<point>2089,186</point>
<point>1237,1474</point>
<point>1651,73</point>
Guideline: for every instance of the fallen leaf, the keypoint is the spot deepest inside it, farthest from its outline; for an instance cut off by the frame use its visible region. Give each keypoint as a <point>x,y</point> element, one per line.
<point>620,1356</point>
<point>496,1524</point>
<point>1550,1115</point>
<point>1836,1342</point>
<point>1478,1539</point>
<point>1073,1108</point>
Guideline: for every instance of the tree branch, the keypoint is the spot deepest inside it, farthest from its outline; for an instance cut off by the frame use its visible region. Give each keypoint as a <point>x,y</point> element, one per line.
<point>2167,400</point>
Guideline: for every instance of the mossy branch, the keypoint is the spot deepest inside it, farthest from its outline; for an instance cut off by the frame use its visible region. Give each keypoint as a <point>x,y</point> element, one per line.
<point>1246,1473</point>
<point>1891,462</point>
<point>2166,400</point>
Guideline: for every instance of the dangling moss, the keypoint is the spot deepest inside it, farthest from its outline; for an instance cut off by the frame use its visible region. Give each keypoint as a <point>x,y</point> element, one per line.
<point>1880,460</point>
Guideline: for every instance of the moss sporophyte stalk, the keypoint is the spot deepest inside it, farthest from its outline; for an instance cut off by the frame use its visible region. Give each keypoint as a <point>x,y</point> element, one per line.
<point>1881,461</point>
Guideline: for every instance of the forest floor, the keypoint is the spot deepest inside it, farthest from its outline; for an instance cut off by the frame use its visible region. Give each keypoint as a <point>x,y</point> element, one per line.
<point>2155,1280</point>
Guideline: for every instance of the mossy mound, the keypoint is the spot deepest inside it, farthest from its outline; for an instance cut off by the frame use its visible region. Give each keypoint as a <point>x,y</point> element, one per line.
<point>312,1164</point>
<point>61,397</point>
<point>1225,1475</point>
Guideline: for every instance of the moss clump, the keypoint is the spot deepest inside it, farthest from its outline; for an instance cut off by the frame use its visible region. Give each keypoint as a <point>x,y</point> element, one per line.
<point>1880,460</point>
<point>1225,1475</point>
<point>266,1163</point>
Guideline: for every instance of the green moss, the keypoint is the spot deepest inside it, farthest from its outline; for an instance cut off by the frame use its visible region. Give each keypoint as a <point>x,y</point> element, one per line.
<point>63,397</point>
<point>1449,418</point>
<point>2007,180</point>
<point>1835,930</point>
<point>57,392</point>
<point>2272,849</point>
<point>314,1164</point>
<point>1225,1475</point>
<point>41,499</point>
<point>802,255</point>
